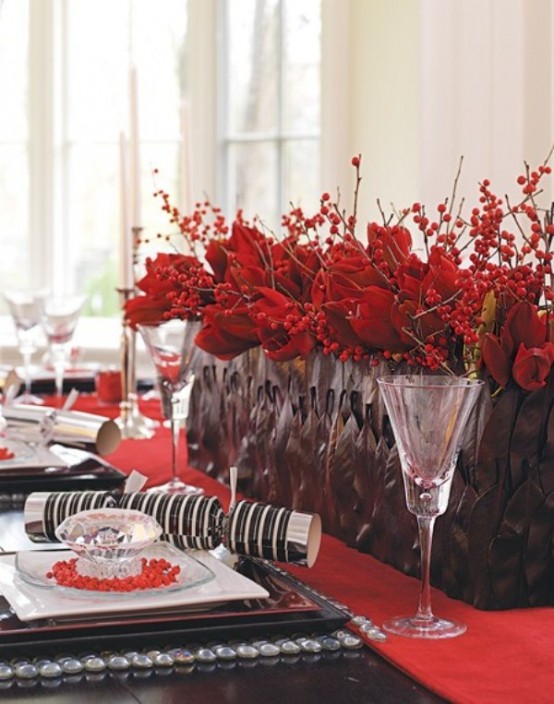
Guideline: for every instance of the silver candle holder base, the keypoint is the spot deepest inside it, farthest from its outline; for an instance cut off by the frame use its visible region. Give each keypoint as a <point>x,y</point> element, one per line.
<point>132,423</point>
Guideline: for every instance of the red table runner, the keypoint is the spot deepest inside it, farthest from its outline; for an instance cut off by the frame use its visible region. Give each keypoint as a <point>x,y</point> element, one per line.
<point>504,657</point>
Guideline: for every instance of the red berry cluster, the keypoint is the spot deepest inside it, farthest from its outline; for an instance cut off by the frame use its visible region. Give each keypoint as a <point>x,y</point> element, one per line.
<point>156,573</point>
<point>362,296</point>
<point>6,454</point>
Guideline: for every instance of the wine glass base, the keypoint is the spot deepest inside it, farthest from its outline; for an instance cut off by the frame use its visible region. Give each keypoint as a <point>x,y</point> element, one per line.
<point>176,486</point>
<point>29,400</point>
<point>434,628</point>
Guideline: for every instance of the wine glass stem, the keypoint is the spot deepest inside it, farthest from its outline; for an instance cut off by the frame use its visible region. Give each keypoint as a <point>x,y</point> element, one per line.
<point>58,372</point>
<point>175,436</point>
<point>27,370</point>
<point>58,355</point>
<point>425,526</point>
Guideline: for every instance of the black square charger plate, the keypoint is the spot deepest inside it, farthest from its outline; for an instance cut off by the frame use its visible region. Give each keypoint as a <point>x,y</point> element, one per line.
<point>86,472</point>
<point>292,607</point>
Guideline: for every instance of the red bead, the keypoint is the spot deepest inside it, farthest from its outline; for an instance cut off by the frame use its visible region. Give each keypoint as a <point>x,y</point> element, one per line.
<point>155,574</point>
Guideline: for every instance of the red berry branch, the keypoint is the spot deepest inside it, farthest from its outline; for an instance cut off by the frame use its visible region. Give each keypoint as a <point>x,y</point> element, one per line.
<point>326,285</point>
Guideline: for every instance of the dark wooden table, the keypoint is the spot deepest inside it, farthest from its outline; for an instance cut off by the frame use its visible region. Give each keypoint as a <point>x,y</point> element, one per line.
<point>342,677</point>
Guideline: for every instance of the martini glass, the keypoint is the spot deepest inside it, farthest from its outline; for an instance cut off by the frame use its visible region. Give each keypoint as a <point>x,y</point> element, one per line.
<point>428,415</point>
<point>59,320</point>
<point>26,309</point>
<point>171,347</point>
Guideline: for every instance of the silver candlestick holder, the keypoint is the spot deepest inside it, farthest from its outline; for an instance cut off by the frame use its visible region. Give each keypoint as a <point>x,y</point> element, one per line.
<point>132,423</point>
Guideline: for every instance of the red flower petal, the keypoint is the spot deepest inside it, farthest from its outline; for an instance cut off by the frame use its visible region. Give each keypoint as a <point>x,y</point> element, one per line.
<point>496,359</point>
<point>532,366</point>
<point>523,326</point>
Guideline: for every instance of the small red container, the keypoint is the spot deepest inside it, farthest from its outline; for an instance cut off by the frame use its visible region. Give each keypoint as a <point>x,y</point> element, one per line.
<point>108,385</point>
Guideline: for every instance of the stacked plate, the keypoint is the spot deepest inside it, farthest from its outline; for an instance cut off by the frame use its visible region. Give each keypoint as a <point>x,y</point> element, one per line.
<point>203,583</point>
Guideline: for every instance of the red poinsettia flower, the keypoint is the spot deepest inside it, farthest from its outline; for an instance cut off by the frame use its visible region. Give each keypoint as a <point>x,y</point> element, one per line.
<point>322,285</point>
<point>413,325</point>
<point>142,310</point>
<point>281,328</point>
<point>532,366</point>
<point>372,321</point>
<point>391,244</point>
<point>346,278</point>
<point>293,268</point>
<point>496,358</point>
<point>243,249</point>
<point>157,287</point>
<point>522,351</point>
<point>523,326</point>
<point>227,333</point>
<point>415,278</point>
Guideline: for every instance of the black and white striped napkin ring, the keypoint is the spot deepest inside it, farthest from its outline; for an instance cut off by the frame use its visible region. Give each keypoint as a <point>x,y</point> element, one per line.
<point>281,534</point>
<point>188,522</point>
<point>191,522</point>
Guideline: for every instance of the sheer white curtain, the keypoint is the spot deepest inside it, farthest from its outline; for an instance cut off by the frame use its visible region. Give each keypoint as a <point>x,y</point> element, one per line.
<point>433,80</point>
<point>486,92</point>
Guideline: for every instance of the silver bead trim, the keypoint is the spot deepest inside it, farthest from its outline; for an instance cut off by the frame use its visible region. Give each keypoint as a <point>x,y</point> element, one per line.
<point>185,658</point>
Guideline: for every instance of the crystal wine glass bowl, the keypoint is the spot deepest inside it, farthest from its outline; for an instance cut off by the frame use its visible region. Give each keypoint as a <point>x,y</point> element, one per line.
<point>428,415</point>
<point>59,320</point>
<point>109,542</point>
<point>171,347</point>
<point>26,310</point>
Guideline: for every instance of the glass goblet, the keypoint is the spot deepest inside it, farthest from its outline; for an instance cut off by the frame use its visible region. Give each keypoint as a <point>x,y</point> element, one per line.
<point>428,415</point>
<point>59,320</point>
<point>26,309</point>
<point>171,347</point>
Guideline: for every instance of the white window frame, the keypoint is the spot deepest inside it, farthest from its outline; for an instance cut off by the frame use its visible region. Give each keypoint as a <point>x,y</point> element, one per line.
<point>99,336</point>
<point>278,137</point>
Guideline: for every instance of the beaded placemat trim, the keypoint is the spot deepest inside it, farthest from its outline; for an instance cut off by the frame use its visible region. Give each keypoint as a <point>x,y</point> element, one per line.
<point>51,672</point>
<point>54,671</point>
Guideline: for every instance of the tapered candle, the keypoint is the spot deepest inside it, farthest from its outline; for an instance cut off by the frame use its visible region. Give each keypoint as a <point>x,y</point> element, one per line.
<point>185,203</point>
<point>126,279</point>
<point>134,166</point>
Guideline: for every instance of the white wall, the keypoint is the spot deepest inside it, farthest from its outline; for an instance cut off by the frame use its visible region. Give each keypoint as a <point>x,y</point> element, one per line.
<point>430,81</point>
<point>373,65</point>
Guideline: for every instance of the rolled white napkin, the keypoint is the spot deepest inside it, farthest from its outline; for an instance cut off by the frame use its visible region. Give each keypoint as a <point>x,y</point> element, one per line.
<point>74,428</point>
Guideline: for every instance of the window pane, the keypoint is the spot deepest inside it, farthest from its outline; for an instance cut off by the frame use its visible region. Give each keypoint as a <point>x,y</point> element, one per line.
<point>14,226</point>
<point>136,33</point>
<point>151,37</point>
<point>97,80</point>
<point>159,50</point>
<point>253,68</point>
<point>14,193</point>
<point>301,174</point>
<point>14,21</point>
<point>94,224</point>
<point>165,158</point>
<point>271,120</point>
<point>253,179</point>
<point>301,66</point>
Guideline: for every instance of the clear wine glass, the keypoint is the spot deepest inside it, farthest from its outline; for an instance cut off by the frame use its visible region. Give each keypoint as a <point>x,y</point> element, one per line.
<point>428,415</point>
<point>26,309</point>
<point>60,316</point>
<point>174,354</point>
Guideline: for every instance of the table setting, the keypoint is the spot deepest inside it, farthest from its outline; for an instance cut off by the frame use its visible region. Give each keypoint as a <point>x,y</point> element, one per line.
<point>343,578</point>
<point>339,429</point>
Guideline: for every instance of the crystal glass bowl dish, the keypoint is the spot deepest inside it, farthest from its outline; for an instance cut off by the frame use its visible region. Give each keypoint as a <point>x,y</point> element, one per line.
<point>34,567</point>
<point>109,542</point>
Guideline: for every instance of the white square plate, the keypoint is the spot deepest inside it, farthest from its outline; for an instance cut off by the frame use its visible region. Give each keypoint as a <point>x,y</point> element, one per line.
<point>27,456</point>
<point>31,603</point>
